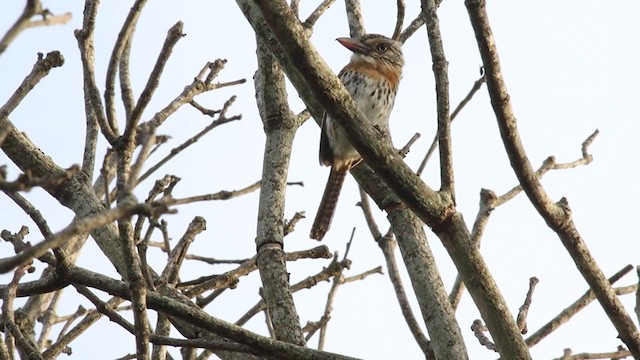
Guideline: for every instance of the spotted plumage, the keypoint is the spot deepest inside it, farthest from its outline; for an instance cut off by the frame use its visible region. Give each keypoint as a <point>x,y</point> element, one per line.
<point>371,77</point>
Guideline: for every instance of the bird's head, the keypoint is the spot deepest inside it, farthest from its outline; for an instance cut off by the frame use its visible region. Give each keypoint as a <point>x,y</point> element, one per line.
<point>374,48</point>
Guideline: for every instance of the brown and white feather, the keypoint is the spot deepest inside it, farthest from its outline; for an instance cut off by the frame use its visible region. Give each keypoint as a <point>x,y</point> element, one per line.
<point>371,78</point>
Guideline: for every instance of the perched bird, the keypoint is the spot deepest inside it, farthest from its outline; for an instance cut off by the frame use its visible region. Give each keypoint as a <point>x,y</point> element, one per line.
<point>371,77</point>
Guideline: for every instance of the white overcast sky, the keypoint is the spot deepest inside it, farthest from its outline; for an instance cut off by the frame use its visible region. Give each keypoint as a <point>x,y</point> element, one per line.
<point>571,67</point>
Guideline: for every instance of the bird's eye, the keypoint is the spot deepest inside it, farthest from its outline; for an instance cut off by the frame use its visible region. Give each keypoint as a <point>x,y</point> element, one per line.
<point>383,47</point>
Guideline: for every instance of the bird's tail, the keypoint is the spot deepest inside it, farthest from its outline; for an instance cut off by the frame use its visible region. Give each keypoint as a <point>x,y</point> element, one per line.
<point>328,203</point>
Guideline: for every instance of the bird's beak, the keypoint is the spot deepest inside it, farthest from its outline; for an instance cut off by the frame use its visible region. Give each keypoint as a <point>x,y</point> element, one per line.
<point>354,45</point>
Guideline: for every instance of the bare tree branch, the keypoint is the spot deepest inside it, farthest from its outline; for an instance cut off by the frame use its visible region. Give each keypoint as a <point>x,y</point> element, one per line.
<point>476,86</point>
<point>31,9</point>
<point>440,71</point>
<point>126,32</point>
<point>76,228</point>
<point>399,19</point>
<point>556,215</point>
<point>478,329</point>
<point>317,13</point>
<point>524,309</point>
<point>387,244</point>
<point>566,314</point>
<point>613,355</point>
<point>40,69</point>
<point>280,126</point>
<point>25,347</point>
<point>354,17</point>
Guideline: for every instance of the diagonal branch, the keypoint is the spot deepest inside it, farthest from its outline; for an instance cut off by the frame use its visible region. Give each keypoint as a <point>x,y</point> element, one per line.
<point>40,70</point>
<point>557,215</point>
<point>565,315</point>
<point>76,228</point>
<point>388,244</point>
<point>31,9</point>
<point>456,111</point>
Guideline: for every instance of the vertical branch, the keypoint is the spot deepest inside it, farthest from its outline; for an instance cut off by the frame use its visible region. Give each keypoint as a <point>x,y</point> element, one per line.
<point>126,91</point>
<point>637,309</point>
<point>135,278</point>
<point>354,16</point>
<point>557,215</point>
<point>440,71</point>
<point>24,346</point>
<point>94,109</point>
<point>123,37</point>
<point>280,127</point>
<point>488,201</point>
<point>388,246</point>
<point>127,174</point>
<point>399,19</point>
<point>91,93</point>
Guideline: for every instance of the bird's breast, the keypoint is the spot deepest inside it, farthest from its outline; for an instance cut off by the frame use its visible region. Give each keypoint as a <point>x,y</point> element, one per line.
<point>373,94</point>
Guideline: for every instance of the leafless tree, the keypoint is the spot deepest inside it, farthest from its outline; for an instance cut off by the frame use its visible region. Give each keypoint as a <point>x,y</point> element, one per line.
<point>101,194</point>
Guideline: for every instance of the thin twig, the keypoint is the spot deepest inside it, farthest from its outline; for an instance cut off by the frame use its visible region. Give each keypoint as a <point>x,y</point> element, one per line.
<point>23,344</point>
<point>223,280</point>
<point>126,32</point>
<point>94,108</point>
<point>221,195</point>
<point>315,15</point>
<point>26,182</point>
<point>388,244</point>
<point>613,355</point>
<point>40,69</point>
<point>434,144</point>
<point>441,75</point>
<point>327,273</point>
<point>565,315</point>
<point>524,309</point>
<point>171,270</point>
<point>177,150</point>
<point>479,329</point>
<point>174,34</point>
<point>76,228</point>
<point>24,21</point>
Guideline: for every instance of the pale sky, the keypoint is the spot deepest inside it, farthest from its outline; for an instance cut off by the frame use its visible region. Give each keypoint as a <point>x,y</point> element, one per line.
<point>571,67</point>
